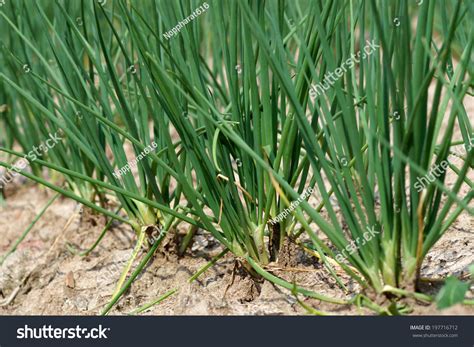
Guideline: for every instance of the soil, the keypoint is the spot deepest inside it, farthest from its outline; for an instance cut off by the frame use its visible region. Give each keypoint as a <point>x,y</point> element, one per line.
<point>48,278</point>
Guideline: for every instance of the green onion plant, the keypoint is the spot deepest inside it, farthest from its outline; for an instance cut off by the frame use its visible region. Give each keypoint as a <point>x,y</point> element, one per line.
<point>250,105</point>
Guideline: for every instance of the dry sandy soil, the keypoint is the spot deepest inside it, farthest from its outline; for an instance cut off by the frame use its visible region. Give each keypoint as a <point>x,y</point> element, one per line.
<point>49,279</point>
